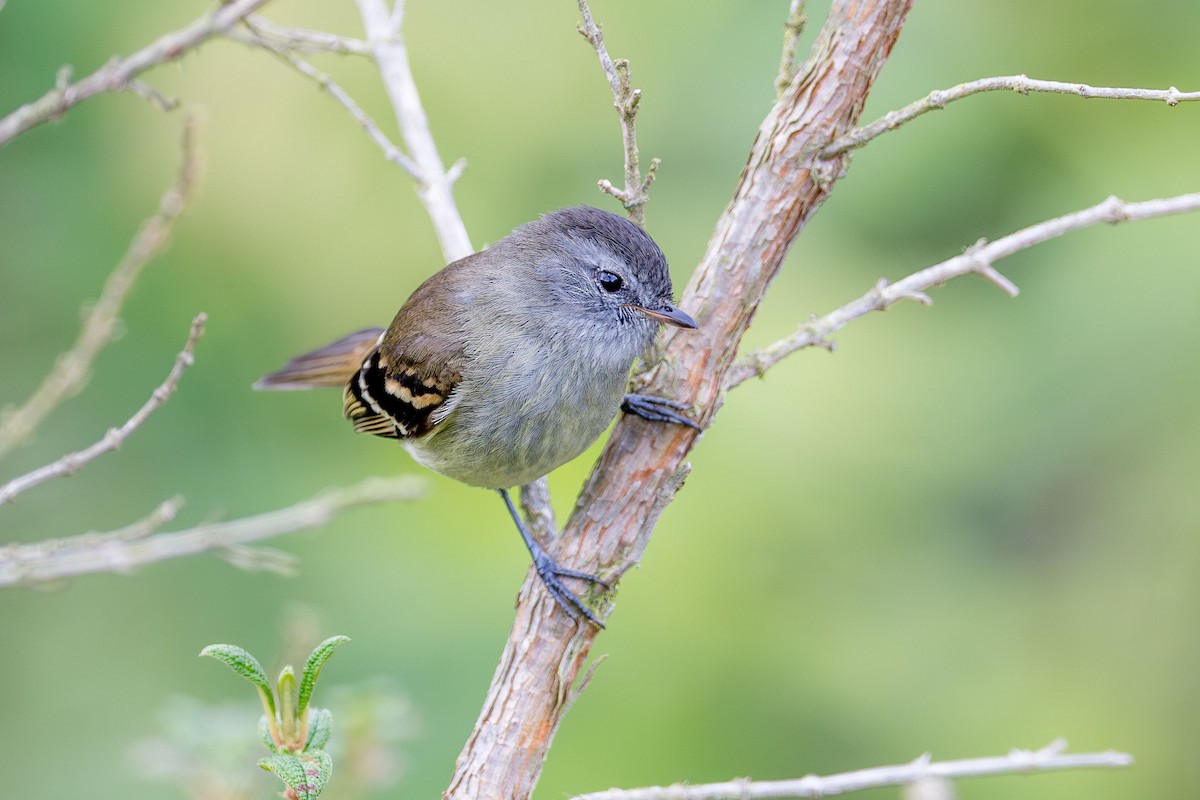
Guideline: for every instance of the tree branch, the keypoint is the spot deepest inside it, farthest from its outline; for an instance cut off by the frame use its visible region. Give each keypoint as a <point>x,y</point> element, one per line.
<point>123,550</point>
<point>73,462</point>
<point>434,183</point>
<point>625,99</point>
<point>70,372</point>
<point>1016,83</point>
<point>1051,757</point>
<point>781,187</point>
<point>977,259</point>
<point>118,73</point>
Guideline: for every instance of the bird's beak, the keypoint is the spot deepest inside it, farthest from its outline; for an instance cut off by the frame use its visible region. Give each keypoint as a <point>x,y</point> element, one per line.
<point>669,314</point>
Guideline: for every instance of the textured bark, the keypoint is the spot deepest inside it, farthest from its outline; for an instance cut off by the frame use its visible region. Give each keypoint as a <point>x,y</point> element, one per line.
<point>784,182</point>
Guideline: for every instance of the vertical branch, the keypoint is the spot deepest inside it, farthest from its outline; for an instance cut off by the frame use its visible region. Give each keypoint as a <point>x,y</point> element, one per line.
<point>435,185</point>
<point>625,99</point>
<point>784,182</point>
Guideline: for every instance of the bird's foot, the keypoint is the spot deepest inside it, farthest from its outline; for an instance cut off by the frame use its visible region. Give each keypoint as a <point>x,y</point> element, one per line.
<point>551,574</point>
<point>657,409</point>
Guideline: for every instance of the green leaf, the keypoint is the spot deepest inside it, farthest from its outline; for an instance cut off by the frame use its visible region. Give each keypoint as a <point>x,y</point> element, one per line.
<point>247,666</point>
<point>320,727</point>
<point>312,667</point>
<point>306,775</point>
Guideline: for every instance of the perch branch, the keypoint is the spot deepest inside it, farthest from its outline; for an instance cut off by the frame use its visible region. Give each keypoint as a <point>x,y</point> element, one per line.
<point>625,99</point>
<point>977,259</point>
<point>434,184</point>
<point>73,462</point>
<point>1051,757</point>
<point>257,38</point>
<point>70,372</point>
<point>782,185</point>
<point>117,74</point>
<point>1015,83</point>
<point>121,551</point>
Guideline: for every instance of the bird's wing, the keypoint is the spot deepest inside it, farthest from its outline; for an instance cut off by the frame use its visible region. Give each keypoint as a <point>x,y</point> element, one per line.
<point>398,398</point>
<point>405,386</point>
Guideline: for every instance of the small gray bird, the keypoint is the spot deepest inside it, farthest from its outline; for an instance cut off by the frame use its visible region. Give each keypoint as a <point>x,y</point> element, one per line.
<point>512,361</point>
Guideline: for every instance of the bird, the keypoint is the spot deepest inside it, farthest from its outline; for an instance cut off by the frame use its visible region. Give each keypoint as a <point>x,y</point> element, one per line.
<point>510,362</point>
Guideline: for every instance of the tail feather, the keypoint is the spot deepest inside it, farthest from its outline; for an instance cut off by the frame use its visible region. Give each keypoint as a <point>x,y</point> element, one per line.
<point>331,366</point>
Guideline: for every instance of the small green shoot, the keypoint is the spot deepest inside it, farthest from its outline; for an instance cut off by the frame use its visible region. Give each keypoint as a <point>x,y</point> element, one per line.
<point>292,730</point>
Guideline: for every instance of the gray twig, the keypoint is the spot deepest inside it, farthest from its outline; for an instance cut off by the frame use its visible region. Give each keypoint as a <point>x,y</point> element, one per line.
<point>1021,84</point>
<point>73,462</point>
<point>625,99</point>
<point>304,40</point>
<point>978,259</point>
<point>118,73</point>
<point>121,551</point>
<point>1051,757</point>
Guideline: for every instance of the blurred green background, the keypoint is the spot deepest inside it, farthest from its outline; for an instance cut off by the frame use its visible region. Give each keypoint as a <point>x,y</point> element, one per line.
<point>973,528</point>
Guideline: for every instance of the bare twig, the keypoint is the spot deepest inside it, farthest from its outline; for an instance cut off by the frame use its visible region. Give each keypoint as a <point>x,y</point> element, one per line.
<point>1051,757</point>
<point>625,99</point>
<point>303,40</point>
<point>257,38</point>
<point>121,552</point>
<point>70,372</point>
<point>72,462</point>
<point>434,184</point>
<point>793,28</point>
<point>117,74</point>
<point>977,259</point>
<point>152,95</point>
<point>1015,83</point>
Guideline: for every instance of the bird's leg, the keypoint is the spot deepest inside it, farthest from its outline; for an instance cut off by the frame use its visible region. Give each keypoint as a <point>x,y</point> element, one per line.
<point>657,409</point>
<point>550,572</point>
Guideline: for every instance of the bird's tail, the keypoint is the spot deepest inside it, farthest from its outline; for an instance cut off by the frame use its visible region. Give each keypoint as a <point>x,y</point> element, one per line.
<point>329,367</point>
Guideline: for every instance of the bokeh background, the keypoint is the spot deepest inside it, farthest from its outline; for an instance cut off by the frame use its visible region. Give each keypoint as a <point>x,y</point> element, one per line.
<point>973,527</point>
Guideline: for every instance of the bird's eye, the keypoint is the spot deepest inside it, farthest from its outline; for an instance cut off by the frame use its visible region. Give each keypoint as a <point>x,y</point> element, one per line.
<point>609,281</point>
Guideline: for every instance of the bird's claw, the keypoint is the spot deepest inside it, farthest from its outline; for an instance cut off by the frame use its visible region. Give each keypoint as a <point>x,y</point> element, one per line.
<point>657,409</point>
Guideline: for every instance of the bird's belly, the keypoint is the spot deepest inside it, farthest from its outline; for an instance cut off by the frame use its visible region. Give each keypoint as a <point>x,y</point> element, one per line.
<point>479,446</point>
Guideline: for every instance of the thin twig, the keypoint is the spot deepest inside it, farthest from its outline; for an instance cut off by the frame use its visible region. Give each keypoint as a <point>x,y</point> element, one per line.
<point>1051,757</point>
<point>977,259</point>
<point>72,462</point>
<point>70,372</point>
<point>625,99</point>
<point>152,95</point>
<point>793,28</point>
<point>1016,83</point>
<point>256,38</point>
<point>117,74</point>
<point>68,558</point>
<point>434,183</point>
<point>303,40</point>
